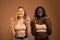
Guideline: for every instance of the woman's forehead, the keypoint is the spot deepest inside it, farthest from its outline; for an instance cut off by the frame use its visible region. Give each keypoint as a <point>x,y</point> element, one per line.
<point>20,9</point>
<point>40,9</point>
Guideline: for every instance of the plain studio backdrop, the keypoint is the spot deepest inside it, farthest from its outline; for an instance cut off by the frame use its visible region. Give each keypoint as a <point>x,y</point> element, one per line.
<point>8,9</point>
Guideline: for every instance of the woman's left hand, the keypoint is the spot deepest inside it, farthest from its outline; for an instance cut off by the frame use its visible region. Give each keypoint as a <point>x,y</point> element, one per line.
<point>28,20</point>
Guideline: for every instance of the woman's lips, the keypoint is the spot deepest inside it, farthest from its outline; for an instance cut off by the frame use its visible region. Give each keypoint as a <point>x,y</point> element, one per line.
<point>20,13</point>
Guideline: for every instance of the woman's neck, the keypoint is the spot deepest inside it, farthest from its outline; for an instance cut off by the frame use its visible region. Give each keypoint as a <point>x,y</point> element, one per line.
<point>21,18</point>
<point>40,18</point>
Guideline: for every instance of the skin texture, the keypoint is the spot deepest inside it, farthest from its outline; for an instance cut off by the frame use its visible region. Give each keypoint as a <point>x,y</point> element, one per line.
<point>41,20</point>
<point>22,22</point>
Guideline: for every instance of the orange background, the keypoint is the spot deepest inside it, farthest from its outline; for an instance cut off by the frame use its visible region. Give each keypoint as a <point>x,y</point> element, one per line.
<point>8,9</point>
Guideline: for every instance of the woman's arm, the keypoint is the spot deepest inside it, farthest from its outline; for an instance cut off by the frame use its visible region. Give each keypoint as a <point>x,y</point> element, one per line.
<point>48,24</point>
<point>28,29</point>
<point>33,29</point>
<point>27,22</point>
<point>12,26</point>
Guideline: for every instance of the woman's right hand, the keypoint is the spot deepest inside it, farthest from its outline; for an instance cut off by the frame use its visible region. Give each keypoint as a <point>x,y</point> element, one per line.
<point>12,20</point>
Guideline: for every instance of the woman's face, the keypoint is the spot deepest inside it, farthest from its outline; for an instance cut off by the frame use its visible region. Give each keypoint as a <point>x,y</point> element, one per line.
<point>20,12</point>
<point>40,12</point>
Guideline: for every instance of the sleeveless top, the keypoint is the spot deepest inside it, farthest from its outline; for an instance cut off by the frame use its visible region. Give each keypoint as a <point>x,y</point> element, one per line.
<point>41,28</point>
<point>20,27</point>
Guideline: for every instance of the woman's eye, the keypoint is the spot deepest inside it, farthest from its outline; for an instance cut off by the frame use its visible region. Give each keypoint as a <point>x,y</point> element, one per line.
<point>21,11</point>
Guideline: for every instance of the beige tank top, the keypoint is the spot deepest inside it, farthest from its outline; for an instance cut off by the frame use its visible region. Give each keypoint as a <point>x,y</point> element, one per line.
<point>20,27</point>
<point>41,28</point>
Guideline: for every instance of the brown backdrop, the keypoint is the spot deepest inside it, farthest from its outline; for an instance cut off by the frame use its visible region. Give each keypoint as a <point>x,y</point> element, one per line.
<point>8,8</point>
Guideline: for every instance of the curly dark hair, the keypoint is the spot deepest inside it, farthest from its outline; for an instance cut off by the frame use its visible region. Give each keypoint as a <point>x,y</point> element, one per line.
<point>36,12</point>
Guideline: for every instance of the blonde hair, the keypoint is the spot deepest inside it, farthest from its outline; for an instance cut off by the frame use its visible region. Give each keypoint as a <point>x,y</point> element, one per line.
<point>17,17</point>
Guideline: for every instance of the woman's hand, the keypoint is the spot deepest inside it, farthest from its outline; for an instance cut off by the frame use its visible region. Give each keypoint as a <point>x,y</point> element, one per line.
<point>28,20</point>
<point>12,20</point>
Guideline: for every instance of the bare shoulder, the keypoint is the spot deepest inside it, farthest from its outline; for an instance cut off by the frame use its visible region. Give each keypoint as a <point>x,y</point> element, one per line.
<point>47,18</point>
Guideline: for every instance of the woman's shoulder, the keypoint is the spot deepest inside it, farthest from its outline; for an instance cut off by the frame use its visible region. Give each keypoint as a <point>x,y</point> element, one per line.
<point>46,18</point>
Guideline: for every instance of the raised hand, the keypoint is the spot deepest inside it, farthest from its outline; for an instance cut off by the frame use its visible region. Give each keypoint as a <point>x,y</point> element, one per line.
<point>12,20</point>
<point>28,19</point>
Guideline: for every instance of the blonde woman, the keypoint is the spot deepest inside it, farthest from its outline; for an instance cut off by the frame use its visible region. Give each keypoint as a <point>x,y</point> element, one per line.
<point>20,25</point>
